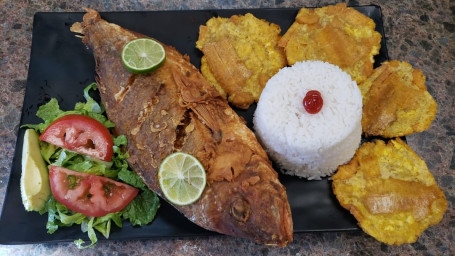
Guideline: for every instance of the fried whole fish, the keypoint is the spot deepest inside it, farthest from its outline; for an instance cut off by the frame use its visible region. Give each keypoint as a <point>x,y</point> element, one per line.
<point>176,109</point>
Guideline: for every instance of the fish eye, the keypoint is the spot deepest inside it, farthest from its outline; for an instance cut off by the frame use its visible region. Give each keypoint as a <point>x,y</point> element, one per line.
<point>240,209</point>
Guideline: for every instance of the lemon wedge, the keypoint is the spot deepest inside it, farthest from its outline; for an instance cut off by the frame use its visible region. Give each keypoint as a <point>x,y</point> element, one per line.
<point>35,188</point>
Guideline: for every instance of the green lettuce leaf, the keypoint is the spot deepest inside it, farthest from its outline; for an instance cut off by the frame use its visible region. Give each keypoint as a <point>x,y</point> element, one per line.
<point>47,151</point>
<point>91,105</point>
<point>132,179</point>
<point>140,211</point>
<point>50,111</point>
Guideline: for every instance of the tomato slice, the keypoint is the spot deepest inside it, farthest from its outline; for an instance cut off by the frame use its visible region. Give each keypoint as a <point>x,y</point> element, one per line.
<point>89,194</point>
<point>81,134</point>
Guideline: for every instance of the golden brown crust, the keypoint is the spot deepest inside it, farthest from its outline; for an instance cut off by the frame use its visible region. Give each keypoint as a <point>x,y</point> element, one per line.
<point>335,34</point>
<point>390,192</point>
<point>396,101</point>
<point>175,109</point>
<point>228,69</point>
<point>240,55</point>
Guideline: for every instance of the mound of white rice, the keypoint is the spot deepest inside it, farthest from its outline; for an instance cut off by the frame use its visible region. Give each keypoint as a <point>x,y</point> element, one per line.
<point>303,144</point>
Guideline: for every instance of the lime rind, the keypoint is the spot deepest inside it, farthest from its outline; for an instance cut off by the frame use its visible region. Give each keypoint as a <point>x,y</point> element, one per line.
<point>182,178</point>
<point>143,55</point>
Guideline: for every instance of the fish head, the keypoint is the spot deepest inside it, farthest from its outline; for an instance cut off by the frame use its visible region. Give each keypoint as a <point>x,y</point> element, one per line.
<point>255,207</point>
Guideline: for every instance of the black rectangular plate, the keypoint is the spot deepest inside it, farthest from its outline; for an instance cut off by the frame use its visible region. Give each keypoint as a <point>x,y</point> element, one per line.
<point>61,66</point>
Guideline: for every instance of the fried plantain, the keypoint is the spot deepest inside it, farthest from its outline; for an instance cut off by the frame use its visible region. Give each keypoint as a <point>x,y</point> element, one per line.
<point>396,101</point>
<point>240,55</point>
<point>390,191</point>
<point>336,34</point>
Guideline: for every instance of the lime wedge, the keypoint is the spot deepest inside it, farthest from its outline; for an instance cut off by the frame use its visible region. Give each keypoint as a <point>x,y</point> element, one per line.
<point>143,55</point>
<point>35,188</point>
<point>182,178</point>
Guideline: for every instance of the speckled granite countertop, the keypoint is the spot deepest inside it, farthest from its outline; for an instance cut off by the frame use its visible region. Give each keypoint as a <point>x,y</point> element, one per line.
<point>420,32</point>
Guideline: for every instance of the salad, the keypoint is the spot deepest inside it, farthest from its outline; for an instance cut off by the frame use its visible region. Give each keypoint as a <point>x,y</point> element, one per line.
<point>91,183</point>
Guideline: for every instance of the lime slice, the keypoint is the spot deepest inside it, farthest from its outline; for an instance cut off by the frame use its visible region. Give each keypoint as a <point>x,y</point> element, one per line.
<point>182,178</point>
<point>143,55</point>
<point>35,188</point>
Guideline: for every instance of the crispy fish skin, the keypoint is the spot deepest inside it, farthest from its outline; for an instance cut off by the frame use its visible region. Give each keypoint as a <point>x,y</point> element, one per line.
<point>176,109</point>
<point>336,34</point>
<point>240,56</point>
<point>390,191</point>
<point>396,101</point>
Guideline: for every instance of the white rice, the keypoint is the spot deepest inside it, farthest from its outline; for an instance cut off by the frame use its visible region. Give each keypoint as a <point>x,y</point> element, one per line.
<point>303,144</point>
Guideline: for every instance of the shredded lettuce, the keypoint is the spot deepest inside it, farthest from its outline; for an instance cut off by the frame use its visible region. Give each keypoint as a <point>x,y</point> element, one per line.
<point>140,211</point>
<point>91,105</point>
<point>50,111</point>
